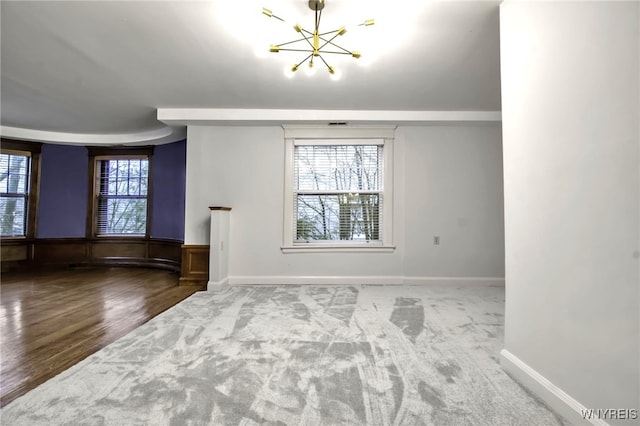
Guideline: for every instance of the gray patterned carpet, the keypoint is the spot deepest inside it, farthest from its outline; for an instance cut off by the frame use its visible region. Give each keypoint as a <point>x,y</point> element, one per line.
<point>299,355</point>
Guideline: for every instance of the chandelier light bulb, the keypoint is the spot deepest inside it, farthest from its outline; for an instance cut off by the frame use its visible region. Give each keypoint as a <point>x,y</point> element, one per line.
<point>310,70</point>
<point>289,72</point>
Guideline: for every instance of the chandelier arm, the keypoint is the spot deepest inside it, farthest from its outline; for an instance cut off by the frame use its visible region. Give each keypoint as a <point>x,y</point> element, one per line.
<point>330,41</point>
<point>325,62</point>
<point>332,52</point>
<point>294,41</point>
<point>269,14</point>
<point>304,60</point>
<point>329,32</point>
<point>304,50</point>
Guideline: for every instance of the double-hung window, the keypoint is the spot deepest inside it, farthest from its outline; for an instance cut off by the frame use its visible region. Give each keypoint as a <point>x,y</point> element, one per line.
<point>338,193</point>
<point>121,189</point>
<point>15,172</point>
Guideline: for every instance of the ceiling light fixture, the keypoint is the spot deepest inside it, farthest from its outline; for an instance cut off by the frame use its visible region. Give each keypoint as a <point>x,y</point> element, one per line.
<point>314,42</point>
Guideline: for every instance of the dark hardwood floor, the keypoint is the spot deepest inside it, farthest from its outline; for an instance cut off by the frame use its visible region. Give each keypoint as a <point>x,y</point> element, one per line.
<point>51,320</point>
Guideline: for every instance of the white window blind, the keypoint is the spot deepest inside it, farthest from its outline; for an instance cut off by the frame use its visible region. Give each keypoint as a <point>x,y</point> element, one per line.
<point>121,192</point>
<point>338,191</point>
<point>14,193</point>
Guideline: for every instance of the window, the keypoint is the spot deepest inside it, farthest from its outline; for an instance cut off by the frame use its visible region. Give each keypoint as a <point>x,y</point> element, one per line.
<point>15,171</point>
<point>122,186</point>
<point>338,193</point>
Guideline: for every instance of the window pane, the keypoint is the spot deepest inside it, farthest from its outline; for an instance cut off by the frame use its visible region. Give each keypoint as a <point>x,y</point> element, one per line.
<point>122,189</point>
<point>14,173</point>
<point>4,172</point>
<point>124,177</point>
<point>352,217</point>
<point>12,216</point>
<point>134,168</point>
<point>14,185</point>
<point>112,187</point>
<point>123,171</point>
<point>124,216</point>
<point>338,192</point>
<point>338,167</point>
<point>134,187</point>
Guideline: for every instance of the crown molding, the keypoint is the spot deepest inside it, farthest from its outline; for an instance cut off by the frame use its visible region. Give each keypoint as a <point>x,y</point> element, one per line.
<point>156,137</point>
<point>232,116</point>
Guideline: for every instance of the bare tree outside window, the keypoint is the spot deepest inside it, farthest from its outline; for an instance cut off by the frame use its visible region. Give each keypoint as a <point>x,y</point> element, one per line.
<point>14,191</point>
<point>122,188</point>
<point>338,192</point>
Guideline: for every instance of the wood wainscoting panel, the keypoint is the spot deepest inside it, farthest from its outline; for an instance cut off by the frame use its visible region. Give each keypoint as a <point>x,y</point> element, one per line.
<point>119,248</point>
<point>60,251</point>
<point>165,253</point>
<point>14,251</point>
<point>165,250</point>
<point>15,254</point>
<point>195,265</point>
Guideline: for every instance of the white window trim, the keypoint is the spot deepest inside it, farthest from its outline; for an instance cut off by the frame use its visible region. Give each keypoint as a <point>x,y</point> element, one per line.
<point>315,135</point>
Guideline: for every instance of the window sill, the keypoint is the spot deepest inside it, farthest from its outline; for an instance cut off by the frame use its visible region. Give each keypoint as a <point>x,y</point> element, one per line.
<point>119,236</point>
<point>317,248</point>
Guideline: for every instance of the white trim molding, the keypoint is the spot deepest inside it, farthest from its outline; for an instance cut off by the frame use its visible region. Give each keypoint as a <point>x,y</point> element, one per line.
<point>357,132</point>
<point>362,248</point>
<point>218,285</point>
<point>154,136</point>
<point>456,281</point>
<point>362,280</point>
<point>381,136</point>
<point>243,116</point>
<point>313,280</point>
<point>555,397</point>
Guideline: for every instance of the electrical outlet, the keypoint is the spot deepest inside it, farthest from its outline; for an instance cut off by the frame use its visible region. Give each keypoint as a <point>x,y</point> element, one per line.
<point>436,241</point>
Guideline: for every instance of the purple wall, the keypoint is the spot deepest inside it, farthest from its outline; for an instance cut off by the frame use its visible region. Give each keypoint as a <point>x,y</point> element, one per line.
<point>64,172</point>
<point>62,208</point>
<point>169,180</point>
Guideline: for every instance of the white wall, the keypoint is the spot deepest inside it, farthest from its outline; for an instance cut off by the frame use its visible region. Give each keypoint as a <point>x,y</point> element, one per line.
<point>571,93</point>
<point>453,189</point>
<point>447,183</point>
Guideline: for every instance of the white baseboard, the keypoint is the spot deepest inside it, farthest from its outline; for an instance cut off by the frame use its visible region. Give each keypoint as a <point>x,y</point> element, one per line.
<point>555,397</point>
<point>218,285</point>
<point>361,280</point>
<point>310,280</point>
<point>459,281</point>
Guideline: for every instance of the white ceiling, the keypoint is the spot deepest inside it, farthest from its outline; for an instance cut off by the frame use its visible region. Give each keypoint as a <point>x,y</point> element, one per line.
<point>98,71</point>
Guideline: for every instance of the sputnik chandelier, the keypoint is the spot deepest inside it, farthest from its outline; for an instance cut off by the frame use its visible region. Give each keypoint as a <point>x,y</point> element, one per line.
<point>315,43</point>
